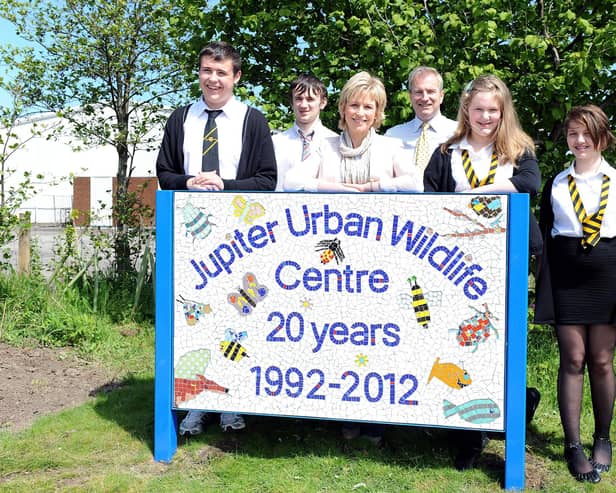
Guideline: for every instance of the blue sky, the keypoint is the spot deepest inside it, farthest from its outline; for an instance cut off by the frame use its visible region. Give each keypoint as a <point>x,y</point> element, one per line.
<point>7,36</point>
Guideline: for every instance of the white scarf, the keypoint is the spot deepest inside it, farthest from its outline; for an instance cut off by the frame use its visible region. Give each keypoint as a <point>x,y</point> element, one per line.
<point>355,166</point>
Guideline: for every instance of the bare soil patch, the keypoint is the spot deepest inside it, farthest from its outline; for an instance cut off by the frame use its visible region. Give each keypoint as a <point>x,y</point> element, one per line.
<point>39,381</point>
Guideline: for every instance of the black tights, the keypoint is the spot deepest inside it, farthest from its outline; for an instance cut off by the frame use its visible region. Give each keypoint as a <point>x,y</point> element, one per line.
<point>581,346</point>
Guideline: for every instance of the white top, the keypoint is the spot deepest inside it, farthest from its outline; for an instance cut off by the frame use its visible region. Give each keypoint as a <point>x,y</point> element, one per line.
<point>288,147</point>
<point>389,162</point>
<point>481,162</point>
<point>230,127</point>
<point>566,222</point>
<point>440,129</point>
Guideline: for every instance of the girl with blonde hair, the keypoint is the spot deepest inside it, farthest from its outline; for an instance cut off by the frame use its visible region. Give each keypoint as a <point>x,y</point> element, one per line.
<point>489,151</point>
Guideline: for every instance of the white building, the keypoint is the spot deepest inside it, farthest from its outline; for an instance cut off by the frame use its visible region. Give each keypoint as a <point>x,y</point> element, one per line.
<point>57,161</point>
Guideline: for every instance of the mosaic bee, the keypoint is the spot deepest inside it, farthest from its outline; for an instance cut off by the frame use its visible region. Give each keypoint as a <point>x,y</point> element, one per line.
<point>486,206</point>
<point>197,222</point>
<point>232,350</point>
<point>477,329</point>
<point>420,305</point>
<point>193,310</point>
<point>404,300</point>
<point>247,297</point>
<point>331,250</point>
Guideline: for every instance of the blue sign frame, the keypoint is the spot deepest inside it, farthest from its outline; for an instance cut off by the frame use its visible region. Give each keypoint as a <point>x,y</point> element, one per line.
<point>165,419</point>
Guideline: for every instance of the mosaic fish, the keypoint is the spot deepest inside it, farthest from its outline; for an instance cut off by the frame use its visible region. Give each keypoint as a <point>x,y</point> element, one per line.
<point>450,374</point>
<point>477,411</point>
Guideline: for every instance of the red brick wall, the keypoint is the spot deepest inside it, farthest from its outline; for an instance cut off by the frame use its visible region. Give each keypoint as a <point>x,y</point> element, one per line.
<point>81,199</point>
<point>144,187</point>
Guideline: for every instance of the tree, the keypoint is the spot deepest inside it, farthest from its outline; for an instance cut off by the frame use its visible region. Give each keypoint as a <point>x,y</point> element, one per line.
<point>552,54</point>
<point>12,197</point>
<point>108,67</point>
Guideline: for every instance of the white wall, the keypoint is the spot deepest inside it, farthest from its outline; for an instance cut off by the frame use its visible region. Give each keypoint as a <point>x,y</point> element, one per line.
<point>56,159</point>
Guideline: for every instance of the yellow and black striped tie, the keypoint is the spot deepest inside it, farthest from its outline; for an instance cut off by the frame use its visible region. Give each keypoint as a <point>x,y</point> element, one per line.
<point>591,225</point>
<point>209,157</point>
<point>470,171</point>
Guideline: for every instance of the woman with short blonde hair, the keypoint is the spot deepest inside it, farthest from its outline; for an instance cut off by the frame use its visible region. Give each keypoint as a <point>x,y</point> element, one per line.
<point>358,160</point>
<point>363,83</point>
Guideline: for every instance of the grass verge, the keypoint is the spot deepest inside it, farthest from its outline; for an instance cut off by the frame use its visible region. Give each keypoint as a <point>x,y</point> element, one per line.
<point>106,444</point>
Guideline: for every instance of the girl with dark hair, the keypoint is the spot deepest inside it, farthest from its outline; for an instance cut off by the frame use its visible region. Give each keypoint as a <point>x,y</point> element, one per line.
<point>576,285</point>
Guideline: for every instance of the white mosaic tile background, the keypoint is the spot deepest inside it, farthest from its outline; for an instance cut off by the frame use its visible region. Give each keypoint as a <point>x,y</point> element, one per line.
<point>368,345</point>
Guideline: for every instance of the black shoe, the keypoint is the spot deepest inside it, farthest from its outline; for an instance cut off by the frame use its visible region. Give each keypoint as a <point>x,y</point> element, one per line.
<point>606,445</point>
<point>351,430</point>
<point>470,452</point>
<point>574,453</point>
<point>533,397</point>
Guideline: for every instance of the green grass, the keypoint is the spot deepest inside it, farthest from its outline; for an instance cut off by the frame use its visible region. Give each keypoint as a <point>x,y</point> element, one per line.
<point>106,445</point>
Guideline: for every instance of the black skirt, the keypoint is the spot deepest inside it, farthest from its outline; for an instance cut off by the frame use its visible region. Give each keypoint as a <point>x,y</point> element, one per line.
<point>583,281</point>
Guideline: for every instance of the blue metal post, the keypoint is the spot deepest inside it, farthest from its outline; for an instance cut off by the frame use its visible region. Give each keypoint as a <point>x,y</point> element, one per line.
<point>517,310</point>
<point>165,424</point>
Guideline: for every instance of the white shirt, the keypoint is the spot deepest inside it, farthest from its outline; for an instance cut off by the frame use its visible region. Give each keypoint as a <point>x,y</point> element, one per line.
<point>288,147</point>
<point>481,162</point>
<point>389,163</point>
<point>440,129</point>
<point>566,222</point>
<point>230,128</point>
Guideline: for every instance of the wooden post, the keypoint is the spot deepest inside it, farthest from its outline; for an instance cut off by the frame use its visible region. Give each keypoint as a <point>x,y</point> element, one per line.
<point>23,252</point>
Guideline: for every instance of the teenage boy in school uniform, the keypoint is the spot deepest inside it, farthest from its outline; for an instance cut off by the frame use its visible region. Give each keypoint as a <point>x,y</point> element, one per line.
<point>302,142</point>
<point>216,143</point>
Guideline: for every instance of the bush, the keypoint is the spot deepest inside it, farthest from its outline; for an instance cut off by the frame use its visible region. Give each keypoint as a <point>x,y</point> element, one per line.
<point>29,310</point>
<point>83,262</point>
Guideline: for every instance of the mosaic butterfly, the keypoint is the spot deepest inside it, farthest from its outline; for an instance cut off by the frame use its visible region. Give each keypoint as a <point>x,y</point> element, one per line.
<point>247,210</point>
<point>247,297</point>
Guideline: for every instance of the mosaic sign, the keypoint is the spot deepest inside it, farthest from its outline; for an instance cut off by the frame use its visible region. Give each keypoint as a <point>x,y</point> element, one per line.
<point>362,307</point>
